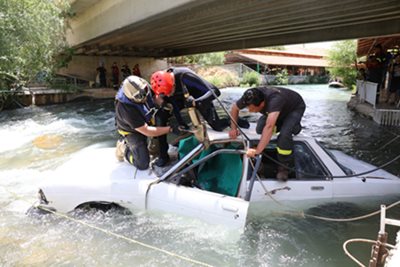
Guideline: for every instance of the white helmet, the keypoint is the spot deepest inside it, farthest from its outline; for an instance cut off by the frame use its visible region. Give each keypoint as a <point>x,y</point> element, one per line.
<point>136,88</point>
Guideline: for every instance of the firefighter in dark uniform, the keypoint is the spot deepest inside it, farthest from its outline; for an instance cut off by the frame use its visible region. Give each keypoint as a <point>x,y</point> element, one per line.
<point>185,79</point>
<point>134,115</point>
<point>280,107</point>
<point>172,85</point>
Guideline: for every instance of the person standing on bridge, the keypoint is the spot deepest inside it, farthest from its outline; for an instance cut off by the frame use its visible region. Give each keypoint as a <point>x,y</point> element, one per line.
<point>102,72</point>
<point>136,70</point>
<point>115,76</point>
<point>135,119</point>
<point>279,107</point>
<point>126,71</point>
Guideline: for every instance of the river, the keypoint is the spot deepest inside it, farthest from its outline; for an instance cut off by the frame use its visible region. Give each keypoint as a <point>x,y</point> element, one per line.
<point>280,240</point>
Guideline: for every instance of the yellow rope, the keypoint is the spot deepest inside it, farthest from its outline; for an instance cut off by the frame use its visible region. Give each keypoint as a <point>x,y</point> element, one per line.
<point>112,233</point>
<point>264,187</point>
<point>127,239</point>
<point>302,214</point>
<point>364,241</point>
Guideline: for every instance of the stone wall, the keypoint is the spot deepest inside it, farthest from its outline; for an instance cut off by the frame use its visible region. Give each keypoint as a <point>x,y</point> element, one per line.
<point>84,67</point>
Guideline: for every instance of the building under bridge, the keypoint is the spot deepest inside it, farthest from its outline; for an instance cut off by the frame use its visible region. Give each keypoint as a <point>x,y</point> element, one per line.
<point>295,61</point>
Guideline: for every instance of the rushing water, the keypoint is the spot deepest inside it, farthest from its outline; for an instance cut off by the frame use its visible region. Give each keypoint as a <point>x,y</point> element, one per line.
<point>275,241</point>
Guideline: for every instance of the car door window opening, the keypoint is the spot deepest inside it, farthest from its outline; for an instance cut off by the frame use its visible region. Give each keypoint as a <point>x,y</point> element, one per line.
<point>307,166</point>
<point>218,168</point>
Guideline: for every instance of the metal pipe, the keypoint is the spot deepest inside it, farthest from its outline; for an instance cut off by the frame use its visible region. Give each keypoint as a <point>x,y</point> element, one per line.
<point>253,178</point>
<point>383,219</point>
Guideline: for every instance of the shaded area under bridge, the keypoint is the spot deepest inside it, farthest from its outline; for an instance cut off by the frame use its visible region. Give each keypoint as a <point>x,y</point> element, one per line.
<point>153,28</point>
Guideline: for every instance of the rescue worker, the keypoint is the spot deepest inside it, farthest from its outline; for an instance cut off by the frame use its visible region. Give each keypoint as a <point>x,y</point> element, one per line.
<point>280,107</point>
<point>134,116</point>
<point>376,68</point>
<point>170,86</point>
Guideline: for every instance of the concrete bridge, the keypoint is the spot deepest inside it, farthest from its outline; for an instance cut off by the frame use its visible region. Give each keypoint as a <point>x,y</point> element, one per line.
<point>119,29</point>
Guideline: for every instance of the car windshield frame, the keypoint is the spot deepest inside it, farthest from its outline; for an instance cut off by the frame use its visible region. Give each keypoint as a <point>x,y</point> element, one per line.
<point>345,169</point>
<point>325,169</point>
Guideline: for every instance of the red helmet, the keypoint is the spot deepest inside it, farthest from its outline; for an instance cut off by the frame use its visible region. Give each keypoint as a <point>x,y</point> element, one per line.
<point>163,82</point>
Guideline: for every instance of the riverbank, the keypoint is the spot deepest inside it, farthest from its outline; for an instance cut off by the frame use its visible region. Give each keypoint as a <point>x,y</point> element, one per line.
<point>41,96</point>
<point>383,113</point>
<point>362,108</point>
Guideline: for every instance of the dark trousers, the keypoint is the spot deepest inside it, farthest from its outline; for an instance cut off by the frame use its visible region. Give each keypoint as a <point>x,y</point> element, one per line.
<point>209,113</point>
<point>137,152</point>
<point>162,117</point>
<point>290,126</point>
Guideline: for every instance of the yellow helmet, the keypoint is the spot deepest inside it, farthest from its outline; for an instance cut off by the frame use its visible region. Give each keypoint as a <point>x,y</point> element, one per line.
<point>136,88</point>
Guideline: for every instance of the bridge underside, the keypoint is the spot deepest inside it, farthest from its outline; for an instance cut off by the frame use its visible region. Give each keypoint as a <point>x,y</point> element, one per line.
<point>219,25</point>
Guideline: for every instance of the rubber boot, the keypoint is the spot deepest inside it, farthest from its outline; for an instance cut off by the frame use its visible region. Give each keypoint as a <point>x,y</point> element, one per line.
<point>283,174</point>
<point>120,150</point>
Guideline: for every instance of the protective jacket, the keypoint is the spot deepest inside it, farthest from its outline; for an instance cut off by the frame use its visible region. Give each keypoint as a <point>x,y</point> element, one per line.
<point>195,84</point>
<point>127,122</point>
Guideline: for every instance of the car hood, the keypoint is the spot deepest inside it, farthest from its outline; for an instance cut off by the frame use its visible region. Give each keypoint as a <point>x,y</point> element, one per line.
<point>359,166</point>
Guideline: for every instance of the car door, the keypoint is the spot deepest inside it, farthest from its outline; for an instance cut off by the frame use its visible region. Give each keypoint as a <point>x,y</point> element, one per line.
<point>193,202</point>
<point>308,183</point>
<point>217,203</point>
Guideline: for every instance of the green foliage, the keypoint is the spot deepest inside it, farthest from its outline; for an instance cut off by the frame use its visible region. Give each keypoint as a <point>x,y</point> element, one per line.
<point>250,79</point>
<point>218,76</point>
<point>206,59</point>
<point>341,57</point>
<point>31,36</point>
<point>277,47</point>
<point>63,84</point>
<point>216,80</point>
<point>322,79</point>
<point>317,79</point>
<point>222,81</point>
<point>281,78</point>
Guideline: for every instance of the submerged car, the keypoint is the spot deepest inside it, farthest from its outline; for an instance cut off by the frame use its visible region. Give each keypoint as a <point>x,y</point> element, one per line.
<point>216,182</point>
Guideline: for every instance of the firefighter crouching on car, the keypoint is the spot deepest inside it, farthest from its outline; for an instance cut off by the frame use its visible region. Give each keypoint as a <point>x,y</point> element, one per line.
<point>134,115</point>
<point>280,107</point>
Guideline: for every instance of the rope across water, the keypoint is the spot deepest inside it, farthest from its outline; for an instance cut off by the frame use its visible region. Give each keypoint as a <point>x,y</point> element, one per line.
<point>110,233</point>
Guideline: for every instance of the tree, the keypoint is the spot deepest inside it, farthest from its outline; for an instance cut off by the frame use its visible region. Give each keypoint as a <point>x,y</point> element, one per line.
<point>276,47</point>
<point>341,59</point>
<point>206,59</point>
<point>251,78</point>
<point>32,35</point>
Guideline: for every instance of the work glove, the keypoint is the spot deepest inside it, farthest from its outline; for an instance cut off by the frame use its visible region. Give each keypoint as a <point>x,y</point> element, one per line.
<point>168,107</point>
<point>189,102</point>
<point>177,129</point>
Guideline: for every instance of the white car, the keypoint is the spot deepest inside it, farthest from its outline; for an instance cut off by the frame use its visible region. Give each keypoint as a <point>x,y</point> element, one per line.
<point>216,182</point>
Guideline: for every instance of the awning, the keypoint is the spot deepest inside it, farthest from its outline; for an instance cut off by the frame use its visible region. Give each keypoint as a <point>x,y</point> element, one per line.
<point>364,46</point>
<point>279,60</point>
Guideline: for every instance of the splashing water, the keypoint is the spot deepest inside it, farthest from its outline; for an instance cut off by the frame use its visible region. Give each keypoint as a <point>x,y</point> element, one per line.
<point>273,241</point>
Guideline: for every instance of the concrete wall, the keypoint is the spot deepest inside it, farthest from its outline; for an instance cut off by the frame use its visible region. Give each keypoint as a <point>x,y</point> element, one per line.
<point>84,67</point>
